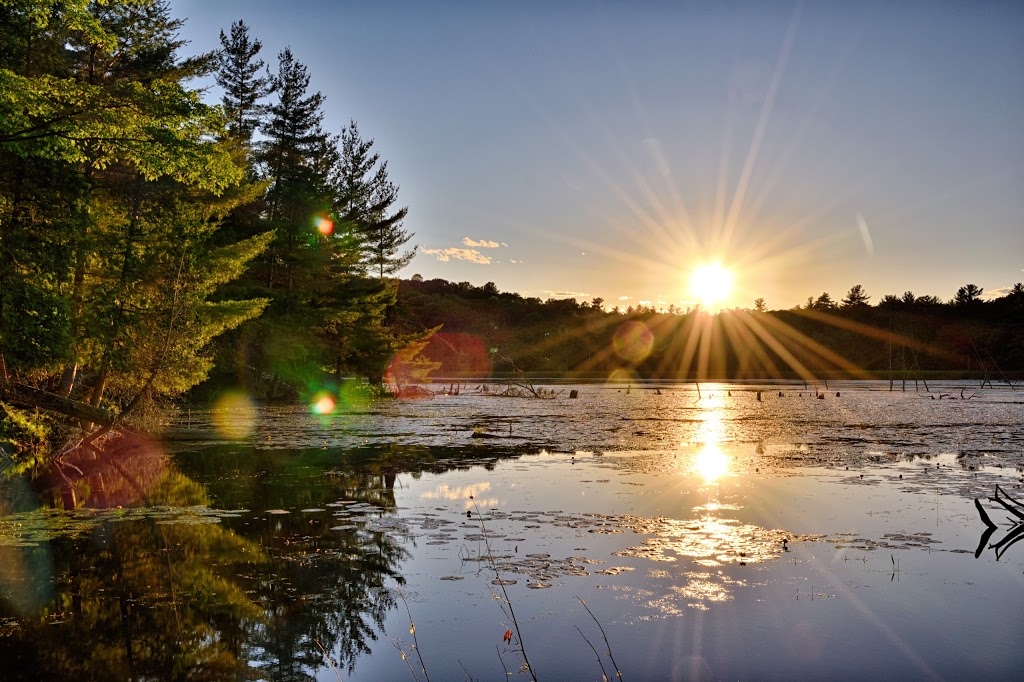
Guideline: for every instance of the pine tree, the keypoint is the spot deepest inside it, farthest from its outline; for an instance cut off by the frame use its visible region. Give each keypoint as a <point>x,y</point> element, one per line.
<point>855,297</point>
<point>823,302</point>
<point>296,192</point>
<point>365,200</point>
<point>243,88</point>
<point>967,296</point>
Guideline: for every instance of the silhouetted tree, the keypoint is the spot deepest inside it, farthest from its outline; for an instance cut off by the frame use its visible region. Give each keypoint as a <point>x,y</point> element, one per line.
<point>760,306</point>
<point>969,294</point>
<point>855,297</point>
<point>824,302</point>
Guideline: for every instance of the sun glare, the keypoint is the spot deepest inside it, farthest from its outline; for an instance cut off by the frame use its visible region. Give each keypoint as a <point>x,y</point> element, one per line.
<point>710,284</point>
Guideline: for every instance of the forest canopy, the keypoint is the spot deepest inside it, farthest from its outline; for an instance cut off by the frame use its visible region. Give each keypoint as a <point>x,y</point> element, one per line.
<point>149,237</point>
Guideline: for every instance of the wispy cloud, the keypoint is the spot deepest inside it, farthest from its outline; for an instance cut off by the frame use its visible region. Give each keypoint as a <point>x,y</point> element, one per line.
<point>625,298</point>
<point>566,294</point>
<point>483,244</point>
<point>445,255</point>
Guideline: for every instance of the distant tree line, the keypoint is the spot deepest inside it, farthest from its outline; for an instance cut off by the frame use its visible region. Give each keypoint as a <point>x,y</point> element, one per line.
<point>149,239</point>
<point>484,329</point>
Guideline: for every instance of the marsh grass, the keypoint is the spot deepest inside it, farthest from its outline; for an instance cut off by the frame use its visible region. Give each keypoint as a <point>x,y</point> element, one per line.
<point>518,646</point>
<point>607,644</point>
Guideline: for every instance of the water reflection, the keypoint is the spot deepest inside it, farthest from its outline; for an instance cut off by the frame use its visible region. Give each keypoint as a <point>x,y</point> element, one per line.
<point>131,595</point>
<point>468,495</point>
<point>711,463</point>
<point>1012,536</point>
<point>94,591</point>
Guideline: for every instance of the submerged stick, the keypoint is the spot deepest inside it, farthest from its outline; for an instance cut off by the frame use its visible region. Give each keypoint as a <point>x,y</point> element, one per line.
<point>1019,513</point>
<point>1011,539</point>
<point>984,517</point>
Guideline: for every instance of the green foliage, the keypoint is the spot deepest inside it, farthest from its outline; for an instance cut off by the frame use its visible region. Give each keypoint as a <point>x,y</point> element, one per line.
<point>138,224</point>
<point>364,202</point>
<point>29,432</point>
<point>243,87</point>
<point>34,326</point>
<point>112,186</point>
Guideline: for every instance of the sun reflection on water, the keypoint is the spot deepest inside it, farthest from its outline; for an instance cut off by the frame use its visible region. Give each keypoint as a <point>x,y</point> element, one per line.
<point>711,463</point>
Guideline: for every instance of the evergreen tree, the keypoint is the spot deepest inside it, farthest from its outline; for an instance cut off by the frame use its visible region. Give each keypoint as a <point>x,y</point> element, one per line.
<point>296,190</point>
<point>823,302</point>
<point>967,295</point>
<point>855,297</point>
<point>365,201</point>
<point>243,88</point>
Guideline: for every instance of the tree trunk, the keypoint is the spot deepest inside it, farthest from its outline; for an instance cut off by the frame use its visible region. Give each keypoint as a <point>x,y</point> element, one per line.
<point>101,383</point>
<point>67,380</point>
<point>26,396</point>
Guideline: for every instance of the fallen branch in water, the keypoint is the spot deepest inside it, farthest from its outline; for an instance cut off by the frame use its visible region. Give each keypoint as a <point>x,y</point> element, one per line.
<point>1015,535</point>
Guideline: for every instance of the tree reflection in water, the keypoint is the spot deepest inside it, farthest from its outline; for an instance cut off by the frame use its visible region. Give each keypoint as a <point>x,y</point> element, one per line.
<point>138,598</point>
<point>173,589</point>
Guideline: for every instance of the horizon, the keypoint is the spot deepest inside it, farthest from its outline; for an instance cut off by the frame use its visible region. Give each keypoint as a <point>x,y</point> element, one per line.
<point>697,307</point>
<point>582,152</point>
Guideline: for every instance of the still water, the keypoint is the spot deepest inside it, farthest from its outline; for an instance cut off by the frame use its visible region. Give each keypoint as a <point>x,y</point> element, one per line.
<point>649,530</point>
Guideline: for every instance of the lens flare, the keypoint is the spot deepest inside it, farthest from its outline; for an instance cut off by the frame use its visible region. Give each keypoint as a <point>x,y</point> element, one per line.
<point>623,376</point>
<point>323,224</point>
<point>323,403</point>
<point>234,415</point>
<point>633,341</point>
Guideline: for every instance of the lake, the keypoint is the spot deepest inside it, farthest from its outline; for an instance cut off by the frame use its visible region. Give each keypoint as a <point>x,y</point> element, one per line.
<point>800,533</point>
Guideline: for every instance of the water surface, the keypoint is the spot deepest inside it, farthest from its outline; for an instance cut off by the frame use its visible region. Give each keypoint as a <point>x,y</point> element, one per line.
<point>713,537</point>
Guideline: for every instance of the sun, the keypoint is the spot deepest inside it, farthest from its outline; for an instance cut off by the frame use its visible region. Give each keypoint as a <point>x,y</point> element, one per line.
<point>710,284</point>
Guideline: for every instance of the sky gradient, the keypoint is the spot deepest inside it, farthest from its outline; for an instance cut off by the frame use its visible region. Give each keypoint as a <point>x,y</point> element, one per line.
<point>605,149</point>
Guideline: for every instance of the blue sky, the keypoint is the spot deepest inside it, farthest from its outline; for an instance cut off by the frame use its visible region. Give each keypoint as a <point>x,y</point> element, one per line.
<point>604,149</point>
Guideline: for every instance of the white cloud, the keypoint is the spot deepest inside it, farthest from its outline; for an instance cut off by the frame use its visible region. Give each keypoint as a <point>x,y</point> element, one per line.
<point>445,255</point>
<point>625,298</point>
<point>483,244</point>
<point>997,293</point>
